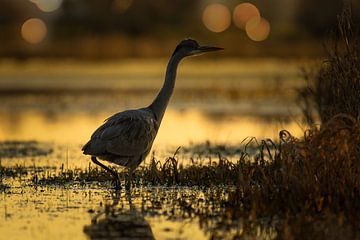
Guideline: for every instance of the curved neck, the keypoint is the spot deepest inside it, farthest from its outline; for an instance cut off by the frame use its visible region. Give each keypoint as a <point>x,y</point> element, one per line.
<point>158,106</point>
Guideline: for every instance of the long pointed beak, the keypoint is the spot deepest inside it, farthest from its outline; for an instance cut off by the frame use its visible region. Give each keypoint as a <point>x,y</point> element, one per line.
<point>209,49</point>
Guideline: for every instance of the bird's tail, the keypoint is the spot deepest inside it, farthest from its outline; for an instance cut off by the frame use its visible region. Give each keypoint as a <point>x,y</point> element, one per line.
<point>85,148</point>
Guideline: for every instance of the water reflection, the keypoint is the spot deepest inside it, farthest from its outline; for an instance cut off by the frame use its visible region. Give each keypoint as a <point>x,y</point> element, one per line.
<point>65,131</point>
<point>114,223</point>
<point>224,106</point>
<point>164,213</point>
<point>179,128</point>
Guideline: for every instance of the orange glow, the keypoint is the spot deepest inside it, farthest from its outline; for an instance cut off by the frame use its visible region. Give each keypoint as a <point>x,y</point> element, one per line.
<point>48,5</point>
<point>195,127</point>
<point>121,5</point>
<point>258,29</point>
<point>33,30</point>
<point>243,13</point>
<point>216,17</point>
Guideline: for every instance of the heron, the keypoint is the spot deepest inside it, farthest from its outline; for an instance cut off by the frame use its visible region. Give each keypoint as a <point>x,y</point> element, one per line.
<point>126,138</point>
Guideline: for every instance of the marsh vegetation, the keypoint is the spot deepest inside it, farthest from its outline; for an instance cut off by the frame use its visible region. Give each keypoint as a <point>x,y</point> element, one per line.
<point>301,188</point>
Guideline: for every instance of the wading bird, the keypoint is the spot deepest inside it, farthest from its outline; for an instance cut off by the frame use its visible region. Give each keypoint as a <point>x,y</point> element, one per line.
<point>126,137</point>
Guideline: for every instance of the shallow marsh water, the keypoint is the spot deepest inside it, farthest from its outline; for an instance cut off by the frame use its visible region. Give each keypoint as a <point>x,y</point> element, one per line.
<point>59,105</point>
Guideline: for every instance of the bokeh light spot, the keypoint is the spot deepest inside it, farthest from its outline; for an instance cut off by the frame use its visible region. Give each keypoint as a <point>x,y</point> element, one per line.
<point>48,5</point>
<point>216,17</point>
<point>243,13</point>
<point>33,30</point>
<point>252,23</point>
<point>258,29</point>
<point>121,6</point>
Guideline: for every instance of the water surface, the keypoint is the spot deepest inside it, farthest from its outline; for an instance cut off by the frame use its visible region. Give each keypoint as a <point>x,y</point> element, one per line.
<point>60,104</point>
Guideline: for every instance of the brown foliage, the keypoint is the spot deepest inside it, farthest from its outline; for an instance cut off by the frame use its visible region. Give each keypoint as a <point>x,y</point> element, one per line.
<point>335,88</point>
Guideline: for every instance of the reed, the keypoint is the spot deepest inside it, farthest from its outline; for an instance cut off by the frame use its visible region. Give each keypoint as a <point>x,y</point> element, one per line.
<point>335,87</point>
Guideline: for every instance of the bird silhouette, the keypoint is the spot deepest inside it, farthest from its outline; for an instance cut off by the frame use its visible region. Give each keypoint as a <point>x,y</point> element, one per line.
<point>126,137</point>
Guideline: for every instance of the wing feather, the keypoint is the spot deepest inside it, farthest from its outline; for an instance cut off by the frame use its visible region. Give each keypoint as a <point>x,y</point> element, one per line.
<point>128,133</point>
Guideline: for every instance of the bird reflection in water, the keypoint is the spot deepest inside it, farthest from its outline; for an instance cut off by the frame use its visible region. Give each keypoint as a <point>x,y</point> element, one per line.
<point>117,223</point>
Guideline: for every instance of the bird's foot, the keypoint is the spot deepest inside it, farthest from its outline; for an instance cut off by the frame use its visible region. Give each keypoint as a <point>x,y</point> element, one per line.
<point>129,179</point>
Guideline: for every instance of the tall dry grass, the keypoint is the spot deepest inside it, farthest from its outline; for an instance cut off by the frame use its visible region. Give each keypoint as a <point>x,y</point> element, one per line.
<point>335,87</point>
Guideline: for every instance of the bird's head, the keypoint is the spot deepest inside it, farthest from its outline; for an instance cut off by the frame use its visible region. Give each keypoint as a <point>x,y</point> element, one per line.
<point>190,47</point>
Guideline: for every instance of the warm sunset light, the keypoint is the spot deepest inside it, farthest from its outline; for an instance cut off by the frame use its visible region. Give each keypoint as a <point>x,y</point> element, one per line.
<point>33,30</point>
<point>175,119</point>
<point>258,29</point>
<point>216,17</point>
<point>243,13</point>
<point>48,5</point>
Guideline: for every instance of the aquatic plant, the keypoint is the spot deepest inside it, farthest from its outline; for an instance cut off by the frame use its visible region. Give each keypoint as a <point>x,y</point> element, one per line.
<point>13,172</point>
<point>335,87</point>
<point>68,176</point>
<point>13,149</point>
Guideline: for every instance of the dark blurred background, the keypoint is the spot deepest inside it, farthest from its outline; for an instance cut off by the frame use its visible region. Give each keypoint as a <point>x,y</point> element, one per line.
<point>106,29</point>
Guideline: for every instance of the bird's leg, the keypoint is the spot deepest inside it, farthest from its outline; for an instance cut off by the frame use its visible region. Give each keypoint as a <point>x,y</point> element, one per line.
<point>128,181</point>
<point>112,172</point>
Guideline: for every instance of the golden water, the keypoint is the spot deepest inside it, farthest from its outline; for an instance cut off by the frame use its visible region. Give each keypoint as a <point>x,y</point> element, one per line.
<point>222,102</point>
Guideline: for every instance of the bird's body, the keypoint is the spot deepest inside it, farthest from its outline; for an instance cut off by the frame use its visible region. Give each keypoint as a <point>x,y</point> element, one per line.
<point>126,137</point>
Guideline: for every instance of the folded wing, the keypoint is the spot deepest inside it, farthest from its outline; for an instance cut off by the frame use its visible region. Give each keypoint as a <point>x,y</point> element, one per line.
<point>125,134</point>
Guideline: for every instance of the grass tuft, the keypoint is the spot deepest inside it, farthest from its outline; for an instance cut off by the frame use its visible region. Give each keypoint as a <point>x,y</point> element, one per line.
<point>335,88</point>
